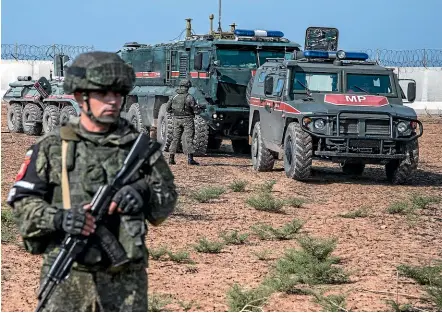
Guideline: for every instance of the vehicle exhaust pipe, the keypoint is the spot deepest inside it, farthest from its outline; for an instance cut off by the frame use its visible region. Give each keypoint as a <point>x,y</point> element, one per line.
<point>24,78</point>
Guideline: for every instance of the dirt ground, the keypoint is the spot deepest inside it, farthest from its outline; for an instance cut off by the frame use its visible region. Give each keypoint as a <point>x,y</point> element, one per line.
<point>370,247</point>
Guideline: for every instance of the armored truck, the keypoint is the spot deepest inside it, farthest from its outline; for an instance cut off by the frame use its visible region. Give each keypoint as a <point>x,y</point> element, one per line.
<point>219,65</point>
<point>38,106</point>
<point>332,105</point>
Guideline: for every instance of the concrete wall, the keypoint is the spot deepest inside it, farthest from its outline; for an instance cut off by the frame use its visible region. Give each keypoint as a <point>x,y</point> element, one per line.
<point>10,69</point>
<point>428,80</point>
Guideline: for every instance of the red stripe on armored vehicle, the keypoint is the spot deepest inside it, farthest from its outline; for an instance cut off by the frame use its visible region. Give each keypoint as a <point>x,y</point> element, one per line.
<point>276,105</point>
<point>356,100</point>
<point>203,75</point>
<point>148,74</point>
<point>175,73</point>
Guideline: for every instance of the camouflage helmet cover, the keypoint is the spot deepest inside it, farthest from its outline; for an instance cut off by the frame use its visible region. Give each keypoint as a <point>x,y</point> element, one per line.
<point>185,83</point>
<point>99,71</point>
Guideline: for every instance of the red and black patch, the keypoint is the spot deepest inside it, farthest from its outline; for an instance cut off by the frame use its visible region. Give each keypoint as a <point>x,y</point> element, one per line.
<point>21,173</point>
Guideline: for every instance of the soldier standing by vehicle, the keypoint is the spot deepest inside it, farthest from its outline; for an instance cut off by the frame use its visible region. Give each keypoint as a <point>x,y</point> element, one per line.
<point>62,172</point>
<point>183,108</point>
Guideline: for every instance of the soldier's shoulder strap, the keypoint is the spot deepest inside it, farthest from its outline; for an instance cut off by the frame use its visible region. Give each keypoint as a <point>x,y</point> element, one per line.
<point>65,190</point>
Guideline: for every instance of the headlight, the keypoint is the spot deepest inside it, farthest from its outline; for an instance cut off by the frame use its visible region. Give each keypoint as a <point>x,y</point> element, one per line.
<point>402,127</point>
<point>221,116</point>
<point>319,123</point>
<point>214,115</point>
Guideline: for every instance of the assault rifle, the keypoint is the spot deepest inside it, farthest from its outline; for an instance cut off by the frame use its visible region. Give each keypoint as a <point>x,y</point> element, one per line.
<point>72,245</point>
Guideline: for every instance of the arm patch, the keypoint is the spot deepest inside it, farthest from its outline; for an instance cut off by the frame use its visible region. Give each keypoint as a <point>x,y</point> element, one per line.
<point>27,182</point>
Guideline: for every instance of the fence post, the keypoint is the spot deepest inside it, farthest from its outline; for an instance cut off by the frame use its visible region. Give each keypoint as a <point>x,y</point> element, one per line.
<point>424,60</point>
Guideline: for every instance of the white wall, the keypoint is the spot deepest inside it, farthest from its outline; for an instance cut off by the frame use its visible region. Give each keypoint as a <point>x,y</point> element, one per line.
<point>10,69</point>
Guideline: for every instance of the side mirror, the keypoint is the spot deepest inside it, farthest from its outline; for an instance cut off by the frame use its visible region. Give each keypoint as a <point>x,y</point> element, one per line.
<point>198,62</point>
<point>268,85</point>
<point>411,91</point>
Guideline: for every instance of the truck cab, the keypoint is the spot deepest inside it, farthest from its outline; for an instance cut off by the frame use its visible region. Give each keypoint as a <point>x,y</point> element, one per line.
<point>333,105</point>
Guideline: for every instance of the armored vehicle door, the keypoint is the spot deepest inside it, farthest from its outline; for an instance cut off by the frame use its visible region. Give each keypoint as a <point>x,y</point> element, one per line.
<point>271,115</point>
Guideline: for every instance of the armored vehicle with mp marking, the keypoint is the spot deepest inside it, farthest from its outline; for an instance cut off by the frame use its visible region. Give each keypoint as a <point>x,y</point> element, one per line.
<point>333,105</point>
<point>219,65</point>
<point>36,106</point>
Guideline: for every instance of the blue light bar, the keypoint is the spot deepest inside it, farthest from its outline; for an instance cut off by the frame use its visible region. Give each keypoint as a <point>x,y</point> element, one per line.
<point>356,56</point>
<point>360,56</point>
<point>258,33</point>
<point>316,54</point>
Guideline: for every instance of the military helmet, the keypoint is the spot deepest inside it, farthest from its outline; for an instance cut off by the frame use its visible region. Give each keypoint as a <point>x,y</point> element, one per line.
<point>99,71</point>
<point>185,83</point>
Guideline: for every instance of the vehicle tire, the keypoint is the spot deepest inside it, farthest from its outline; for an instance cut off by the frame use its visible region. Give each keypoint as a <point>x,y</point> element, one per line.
<point>249,89</point>
<point>399,171</point>
<point>353,168</point>
<point>201,137</point>
<point>164,128</point>
<point>51,118</point>
<point>214,143</point>
<point>262,158</point>
<point>65,114</point>
<point>15,124</point>
<point>134,117</point>
<point>32,114</point>
<point>241,146</point>
<point>298,152</point>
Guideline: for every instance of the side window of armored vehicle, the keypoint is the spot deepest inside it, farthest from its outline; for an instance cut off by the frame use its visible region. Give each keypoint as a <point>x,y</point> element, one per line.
<point>262,77</point>
<point>319,82</point>
<point>201,61</point>
<point>278,87</point>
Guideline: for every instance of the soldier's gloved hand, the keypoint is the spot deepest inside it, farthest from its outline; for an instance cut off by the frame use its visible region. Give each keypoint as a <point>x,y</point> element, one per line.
<point>75,221</point>
<point>128,201</point>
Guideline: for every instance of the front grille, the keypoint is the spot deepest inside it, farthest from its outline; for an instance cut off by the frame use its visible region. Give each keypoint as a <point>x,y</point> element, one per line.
<point>353,127</point>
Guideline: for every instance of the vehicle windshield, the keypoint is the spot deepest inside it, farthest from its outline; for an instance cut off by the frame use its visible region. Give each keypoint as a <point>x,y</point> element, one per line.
<point>367,83</point>
<point>245,58</point>
<point>319,82</point>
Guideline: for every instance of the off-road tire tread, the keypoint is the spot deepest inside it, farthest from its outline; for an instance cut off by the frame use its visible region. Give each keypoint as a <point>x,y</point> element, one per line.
<point>264,160</point>
<point>303,152</point>
<point>54,113</point>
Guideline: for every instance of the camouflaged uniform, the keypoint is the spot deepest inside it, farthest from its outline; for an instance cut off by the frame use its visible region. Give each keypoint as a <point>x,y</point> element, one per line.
<point>183,108</point>
<point>92,160</point>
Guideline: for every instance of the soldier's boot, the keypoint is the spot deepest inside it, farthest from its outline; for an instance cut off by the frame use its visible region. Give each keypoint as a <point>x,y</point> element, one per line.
<point>191,161</point>
<point>172,158</point>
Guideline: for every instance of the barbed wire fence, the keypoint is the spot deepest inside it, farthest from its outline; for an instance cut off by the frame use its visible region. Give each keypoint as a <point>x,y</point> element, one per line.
<point>417,58</point>
<point>23,52</point>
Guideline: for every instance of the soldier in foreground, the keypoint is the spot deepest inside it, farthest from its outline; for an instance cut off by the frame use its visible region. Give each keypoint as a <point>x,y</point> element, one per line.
<point>183,108</point>
<point>62,172</point>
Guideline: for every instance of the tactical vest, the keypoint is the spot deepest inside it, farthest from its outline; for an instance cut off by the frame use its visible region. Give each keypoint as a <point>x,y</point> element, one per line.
<point>90,166</point>
<point>179,105</point>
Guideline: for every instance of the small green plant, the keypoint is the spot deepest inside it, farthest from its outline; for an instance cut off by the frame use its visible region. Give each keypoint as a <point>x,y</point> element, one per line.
<point>312,265</point>
<point>247,300</point>
<point>267,186</point>
<point>265,202</point>
<point>9,232</point>
<point>204,195</point>
<point>319,248</point>
<point>234,238</point>
<point>263,255</point>
<point>156,254</point>
<point>238,185</point>
<point>288,231</point>
<point>396,307</point>
<point>158,302</point>
<point>180,257</point>
<point>423,202</point>
<point>430,277</point>
<point>361,212</point>
<point>400,207</point>
<point>262,231</point>
<point>331,303</point>
<point>186,305</point>
<point>206,246</point>
<point>295,202</point>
